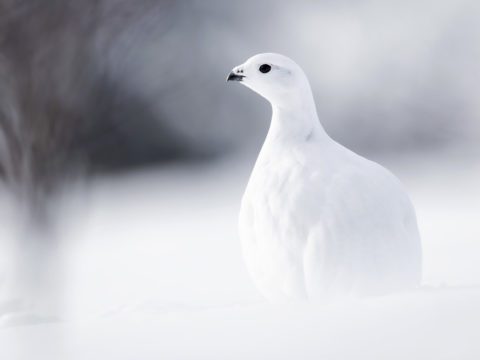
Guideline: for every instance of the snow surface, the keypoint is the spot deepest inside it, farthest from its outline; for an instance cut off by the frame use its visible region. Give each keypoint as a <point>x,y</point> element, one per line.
<point>154,271</point>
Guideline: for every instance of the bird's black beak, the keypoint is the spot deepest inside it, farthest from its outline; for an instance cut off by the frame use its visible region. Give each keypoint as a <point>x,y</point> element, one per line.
<point>234,77</point>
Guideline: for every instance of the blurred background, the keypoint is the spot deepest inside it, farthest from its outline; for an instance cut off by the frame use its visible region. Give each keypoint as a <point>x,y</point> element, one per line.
<point>124,154</point>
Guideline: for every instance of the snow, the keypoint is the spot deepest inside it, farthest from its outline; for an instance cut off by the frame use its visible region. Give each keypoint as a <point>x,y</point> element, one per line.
<point>415,327</point>
<point>154,271</point>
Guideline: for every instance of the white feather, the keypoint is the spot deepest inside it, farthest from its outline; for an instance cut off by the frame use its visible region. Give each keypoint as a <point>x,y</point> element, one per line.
<point>317,219</point>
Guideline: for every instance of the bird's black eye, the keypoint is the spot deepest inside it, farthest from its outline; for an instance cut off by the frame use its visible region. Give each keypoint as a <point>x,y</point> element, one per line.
<point>265,68</point>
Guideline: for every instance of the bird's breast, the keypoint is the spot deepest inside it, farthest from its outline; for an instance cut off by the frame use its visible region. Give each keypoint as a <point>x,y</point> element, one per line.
<point>278,205</point>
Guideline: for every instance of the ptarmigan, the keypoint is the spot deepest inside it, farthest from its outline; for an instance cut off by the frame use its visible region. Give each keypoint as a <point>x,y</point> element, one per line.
<point>318,220</point>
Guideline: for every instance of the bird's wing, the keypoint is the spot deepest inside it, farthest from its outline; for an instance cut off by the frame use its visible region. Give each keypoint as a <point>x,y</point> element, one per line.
<point>366,228</point>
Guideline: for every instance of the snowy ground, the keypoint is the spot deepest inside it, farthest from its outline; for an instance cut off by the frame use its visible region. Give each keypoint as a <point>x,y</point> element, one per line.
<point>153,271</point>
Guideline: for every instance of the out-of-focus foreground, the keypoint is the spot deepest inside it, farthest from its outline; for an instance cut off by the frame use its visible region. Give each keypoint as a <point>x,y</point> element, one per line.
<point>123,158</point>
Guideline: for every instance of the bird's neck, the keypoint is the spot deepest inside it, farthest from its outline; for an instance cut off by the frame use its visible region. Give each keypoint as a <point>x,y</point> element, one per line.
<point>297,121</point>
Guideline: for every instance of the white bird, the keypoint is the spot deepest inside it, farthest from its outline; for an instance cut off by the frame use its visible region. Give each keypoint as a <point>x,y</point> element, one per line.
<point>318,220</point>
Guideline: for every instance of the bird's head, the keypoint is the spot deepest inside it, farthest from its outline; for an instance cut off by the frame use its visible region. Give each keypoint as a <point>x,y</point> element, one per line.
<point>275,77</point>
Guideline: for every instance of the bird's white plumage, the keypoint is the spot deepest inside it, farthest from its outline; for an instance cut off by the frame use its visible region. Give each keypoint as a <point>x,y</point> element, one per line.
<point>317,219</point>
